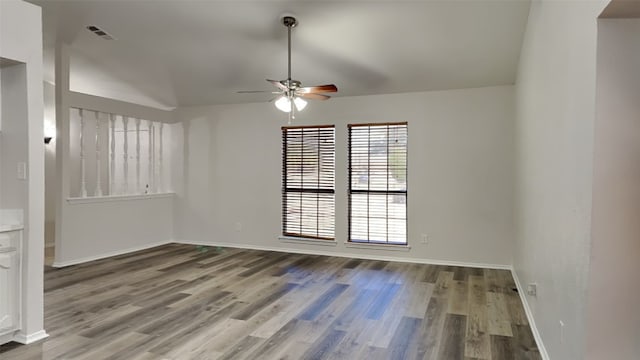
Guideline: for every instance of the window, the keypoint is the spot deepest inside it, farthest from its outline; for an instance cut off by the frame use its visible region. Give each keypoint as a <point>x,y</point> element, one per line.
<point>378,183</point>
<point>308,182</point>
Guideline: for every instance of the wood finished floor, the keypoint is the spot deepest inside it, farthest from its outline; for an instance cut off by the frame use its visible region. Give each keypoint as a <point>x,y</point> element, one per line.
<point>176,302</point>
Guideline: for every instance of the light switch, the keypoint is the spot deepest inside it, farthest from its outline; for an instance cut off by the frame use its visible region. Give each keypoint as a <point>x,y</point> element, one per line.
<point>22,171</point>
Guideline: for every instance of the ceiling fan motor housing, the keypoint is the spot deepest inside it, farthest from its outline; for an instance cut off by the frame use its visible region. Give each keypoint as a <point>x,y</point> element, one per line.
<point>293,84</point>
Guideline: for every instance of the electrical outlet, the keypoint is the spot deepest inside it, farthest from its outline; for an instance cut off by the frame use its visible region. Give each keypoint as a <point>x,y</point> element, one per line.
<point>424,238</point>
<point>532,289</point>
<point>561,331</point>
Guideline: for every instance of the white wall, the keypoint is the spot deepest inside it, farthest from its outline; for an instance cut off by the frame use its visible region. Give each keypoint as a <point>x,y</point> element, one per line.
<point>49,165</point>
<point>460,172</point>
<point>13,150</point>
<point>613,318</point>
<point>1,116</point>
<point>94,228</point>
<point>104,228</point>
<point>554,139</point>
<point>21,40</point>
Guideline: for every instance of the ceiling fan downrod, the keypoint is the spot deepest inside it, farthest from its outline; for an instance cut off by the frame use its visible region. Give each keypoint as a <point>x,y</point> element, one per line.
<point>292,95</point>
<point>289,22</point>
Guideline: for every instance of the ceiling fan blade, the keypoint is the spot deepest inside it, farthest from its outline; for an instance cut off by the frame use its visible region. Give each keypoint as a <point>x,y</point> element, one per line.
<point>318,89</point>
<point>252,91</point>
<point>314,96</point>
<point>278,84</point>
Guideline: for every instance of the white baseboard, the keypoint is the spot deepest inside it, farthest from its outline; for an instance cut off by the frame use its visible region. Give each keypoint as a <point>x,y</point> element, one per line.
<point>30,338</point>
<point>532,322</point>
<point>61,264</point>
<point>349,255</point>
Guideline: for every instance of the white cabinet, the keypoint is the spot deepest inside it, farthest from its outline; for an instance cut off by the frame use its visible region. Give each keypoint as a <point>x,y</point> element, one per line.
<point>9,282</point>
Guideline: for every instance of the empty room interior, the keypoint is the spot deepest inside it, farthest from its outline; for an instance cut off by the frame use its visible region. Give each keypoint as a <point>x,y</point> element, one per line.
<point>422,179</point>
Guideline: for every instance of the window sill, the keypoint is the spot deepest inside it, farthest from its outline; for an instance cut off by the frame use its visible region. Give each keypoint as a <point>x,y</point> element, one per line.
<point>101,199</point>
<point>301,240</point>
<point>377,246</point>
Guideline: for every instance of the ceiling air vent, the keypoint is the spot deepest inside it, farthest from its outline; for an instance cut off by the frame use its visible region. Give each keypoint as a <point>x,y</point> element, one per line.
<point>103,34</point>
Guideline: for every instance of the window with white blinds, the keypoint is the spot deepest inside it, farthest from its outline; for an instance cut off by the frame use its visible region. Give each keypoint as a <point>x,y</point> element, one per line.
<point>308,182</point>
<point>378,183</point>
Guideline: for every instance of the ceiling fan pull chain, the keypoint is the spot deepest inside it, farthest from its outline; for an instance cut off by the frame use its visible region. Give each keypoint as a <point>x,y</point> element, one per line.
<point>292,114</point>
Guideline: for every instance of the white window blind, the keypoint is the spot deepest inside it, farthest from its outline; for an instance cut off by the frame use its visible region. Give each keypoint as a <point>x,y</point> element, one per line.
<point>378,183</point>
<point>308,181</point>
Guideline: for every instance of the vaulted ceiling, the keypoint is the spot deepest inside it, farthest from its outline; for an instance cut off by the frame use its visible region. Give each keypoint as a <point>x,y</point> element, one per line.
<point>180,53</point>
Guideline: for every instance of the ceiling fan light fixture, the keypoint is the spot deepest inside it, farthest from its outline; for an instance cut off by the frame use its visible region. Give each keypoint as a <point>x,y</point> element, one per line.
<point>284,104</point>
<point>300,103</point>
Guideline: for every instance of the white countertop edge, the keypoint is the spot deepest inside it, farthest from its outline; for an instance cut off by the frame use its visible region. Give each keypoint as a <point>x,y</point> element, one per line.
<point>10,227</point>
<point>99,199</point>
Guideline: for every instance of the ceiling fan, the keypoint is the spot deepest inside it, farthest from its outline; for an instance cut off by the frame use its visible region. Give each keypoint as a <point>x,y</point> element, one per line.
<point>291,93</point>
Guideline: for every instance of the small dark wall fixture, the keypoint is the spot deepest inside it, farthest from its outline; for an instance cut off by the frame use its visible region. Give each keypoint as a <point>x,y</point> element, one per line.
<point>47,139</point>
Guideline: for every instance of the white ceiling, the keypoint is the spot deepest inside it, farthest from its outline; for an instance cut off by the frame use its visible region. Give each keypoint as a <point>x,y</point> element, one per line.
<point>180,53</point>
<point>621,9</point>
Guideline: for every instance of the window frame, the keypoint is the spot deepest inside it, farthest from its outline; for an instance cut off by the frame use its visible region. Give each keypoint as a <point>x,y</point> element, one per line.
<point>351,191</point>
<point>285,189</point>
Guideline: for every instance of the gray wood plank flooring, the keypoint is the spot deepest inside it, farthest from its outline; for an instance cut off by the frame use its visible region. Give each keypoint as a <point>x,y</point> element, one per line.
<point>179,302</point>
